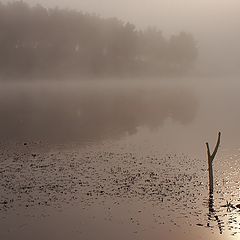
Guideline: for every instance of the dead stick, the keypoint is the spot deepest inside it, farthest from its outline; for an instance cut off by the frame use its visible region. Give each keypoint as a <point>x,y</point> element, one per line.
<point>210,162</point>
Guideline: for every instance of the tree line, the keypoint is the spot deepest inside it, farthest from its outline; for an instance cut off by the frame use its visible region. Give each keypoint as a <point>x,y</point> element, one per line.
<point>38,42</point>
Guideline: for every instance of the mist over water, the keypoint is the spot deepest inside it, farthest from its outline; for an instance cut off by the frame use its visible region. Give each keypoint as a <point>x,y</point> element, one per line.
<point>95,111</point>
<point>90,111</point>
<point>104,119</point>
<point>139,148</point>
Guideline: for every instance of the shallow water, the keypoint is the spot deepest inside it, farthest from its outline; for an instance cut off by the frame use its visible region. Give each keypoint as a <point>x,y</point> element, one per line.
<point>118,160</point>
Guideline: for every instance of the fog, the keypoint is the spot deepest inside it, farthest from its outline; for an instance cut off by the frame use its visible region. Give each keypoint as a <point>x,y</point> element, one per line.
<point>59,113</point>
<point>213,23</point>
<point>105,109</point>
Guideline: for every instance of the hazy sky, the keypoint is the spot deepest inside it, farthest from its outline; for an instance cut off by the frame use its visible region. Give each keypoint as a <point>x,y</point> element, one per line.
<point>215,23</point>
<point>170,15</point>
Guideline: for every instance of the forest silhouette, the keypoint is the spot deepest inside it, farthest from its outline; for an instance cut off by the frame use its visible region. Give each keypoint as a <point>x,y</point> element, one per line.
<point>42,43</point>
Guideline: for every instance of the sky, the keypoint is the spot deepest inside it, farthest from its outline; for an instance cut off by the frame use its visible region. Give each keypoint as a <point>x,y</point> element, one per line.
<point>214,23</point>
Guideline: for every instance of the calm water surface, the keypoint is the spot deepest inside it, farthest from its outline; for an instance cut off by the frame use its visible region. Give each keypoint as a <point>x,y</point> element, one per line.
<point>104,160</point>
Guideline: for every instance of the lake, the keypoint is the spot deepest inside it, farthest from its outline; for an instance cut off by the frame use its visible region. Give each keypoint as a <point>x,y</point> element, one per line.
<point>119,159</point>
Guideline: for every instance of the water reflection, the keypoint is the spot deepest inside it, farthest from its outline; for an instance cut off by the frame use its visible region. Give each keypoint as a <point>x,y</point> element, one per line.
<point>223,214</point>
<point>81,112</point>
<point>224,219</point>
<point>213,215</point>
<point>173,185</point>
